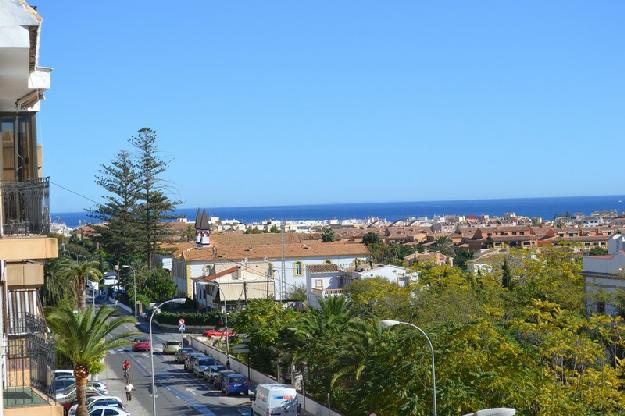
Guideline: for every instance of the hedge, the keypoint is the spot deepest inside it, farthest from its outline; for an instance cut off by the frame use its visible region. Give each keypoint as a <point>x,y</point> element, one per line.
<point>190,318</point>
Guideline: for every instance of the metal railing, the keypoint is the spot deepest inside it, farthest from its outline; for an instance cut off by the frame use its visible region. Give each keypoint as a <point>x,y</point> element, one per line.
<point>30,360</point>
<point>26,207</point>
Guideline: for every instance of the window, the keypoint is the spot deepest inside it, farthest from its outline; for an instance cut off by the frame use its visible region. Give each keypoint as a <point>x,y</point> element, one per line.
<point>298,268</point>
<point>318,283</point>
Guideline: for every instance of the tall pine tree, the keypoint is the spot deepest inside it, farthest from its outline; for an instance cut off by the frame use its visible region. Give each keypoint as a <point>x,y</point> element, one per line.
<point>120,236</point>
<point>155,206</point>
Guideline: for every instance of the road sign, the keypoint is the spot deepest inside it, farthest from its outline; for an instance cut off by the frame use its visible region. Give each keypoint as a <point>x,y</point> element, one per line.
<point>182,328</point>
<point>181,322</point>
<point>243,349</point>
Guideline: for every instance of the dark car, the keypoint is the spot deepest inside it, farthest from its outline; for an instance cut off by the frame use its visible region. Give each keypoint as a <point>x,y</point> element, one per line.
<point>182,353</point>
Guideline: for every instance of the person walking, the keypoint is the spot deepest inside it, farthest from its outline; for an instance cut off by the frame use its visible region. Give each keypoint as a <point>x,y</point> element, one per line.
<point>129,388</point>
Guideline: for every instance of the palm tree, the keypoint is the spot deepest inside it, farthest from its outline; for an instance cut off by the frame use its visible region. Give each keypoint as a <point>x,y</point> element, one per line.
<point>333,314</point>
<point>84,337</point>
<point>78,273</point>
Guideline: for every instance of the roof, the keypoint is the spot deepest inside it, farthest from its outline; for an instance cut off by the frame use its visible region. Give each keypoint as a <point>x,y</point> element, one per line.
<point>234,246</point>
<point>320,268</point>
<point>215,276</point>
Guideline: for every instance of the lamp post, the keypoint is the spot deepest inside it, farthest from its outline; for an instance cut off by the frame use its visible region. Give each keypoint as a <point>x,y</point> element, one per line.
<point>226,322</point>
<point>134,279</point>
<point>154,311</point>
<point>388,323</point>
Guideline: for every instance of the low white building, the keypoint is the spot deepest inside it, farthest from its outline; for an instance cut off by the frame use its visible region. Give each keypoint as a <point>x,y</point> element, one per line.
<point>604,275</point>
<point>324,280</point>
<point>394,274</point>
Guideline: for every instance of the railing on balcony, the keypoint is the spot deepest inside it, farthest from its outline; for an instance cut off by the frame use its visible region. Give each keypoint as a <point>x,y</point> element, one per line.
<point>30,360</point>
<point>26,206</point>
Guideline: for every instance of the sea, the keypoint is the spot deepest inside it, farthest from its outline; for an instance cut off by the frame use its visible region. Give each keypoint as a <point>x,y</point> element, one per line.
<point>546,208</point>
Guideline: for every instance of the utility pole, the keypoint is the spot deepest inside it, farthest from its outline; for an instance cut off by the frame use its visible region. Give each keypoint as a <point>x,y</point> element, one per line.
<point>282,285</point>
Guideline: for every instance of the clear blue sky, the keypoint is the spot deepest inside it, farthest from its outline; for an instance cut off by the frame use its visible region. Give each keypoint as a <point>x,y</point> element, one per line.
<point>294,102</point>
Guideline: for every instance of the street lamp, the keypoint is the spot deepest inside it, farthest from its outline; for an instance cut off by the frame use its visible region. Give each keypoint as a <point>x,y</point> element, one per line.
<point>134,278</point>
<point>226,322</point>
<point>388,323</point>
<point>154,311</point>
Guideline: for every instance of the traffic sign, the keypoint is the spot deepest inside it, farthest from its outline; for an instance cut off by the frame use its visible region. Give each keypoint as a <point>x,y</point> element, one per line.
<point>182,328</point>
<point>240,349</point>
<point>181,322</point>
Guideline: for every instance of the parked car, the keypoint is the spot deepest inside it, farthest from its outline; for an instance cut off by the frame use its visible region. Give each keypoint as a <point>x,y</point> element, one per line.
<point>99,401</point>
<point>219,377</point>
<point>71,399</point>
<point>182,353</point>
<point>107,411</point>
<point>234,384</point>
<point>141,344</point>
<point>202,364</point>
<point>171,347</point>
<point>69,393</point>
<point>61,383</point>
<point>275,399</point>
<point>211,371</point>
<point>63,373</point>
<point>188,360</point>
<point>218,332</point>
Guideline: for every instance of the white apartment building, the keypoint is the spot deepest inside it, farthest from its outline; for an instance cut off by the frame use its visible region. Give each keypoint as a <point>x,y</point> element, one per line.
<point>604,275</point>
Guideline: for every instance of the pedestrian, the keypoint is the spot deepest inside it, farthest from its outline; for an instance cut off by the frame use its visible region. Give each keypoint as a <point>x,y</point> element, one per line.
<point>129,388</point>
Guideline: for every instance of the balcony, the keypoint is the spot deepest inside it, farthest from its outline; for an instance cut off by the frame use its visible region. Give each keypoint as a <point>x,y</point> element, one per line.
<point>26,207</point>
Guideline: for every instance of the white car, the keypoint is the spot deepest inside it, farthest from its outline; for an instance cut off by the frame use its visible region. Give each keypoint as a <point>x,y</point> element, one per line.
<point>92,387</point>
<point>99,401</point>
<point>107,411</point>
<point>63,373</point>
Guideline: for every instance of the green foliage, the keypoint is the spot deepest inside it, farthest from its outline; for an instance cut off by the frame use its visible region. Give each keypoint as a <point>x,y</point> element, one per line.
<point>328,235</point>
<point>274,229</point>
<point>191,318</point>
<point>157,285</point>
<point>598,251</point>
<point>370,238</point>
<point>84,337</point>
<point>135,205</point>
<point>392,253</point>
<point>527,344</point>
<point>461,256</point>
<point>444,245</point>
<point>76,274</point>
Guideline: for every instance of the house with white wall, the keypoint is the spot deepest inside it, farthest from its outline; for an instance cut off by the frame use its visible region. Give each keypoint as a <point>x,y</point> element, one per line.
<point>604,276</point>
<point>283,258</point>
<point>325,280</point>
<point>394,274</point>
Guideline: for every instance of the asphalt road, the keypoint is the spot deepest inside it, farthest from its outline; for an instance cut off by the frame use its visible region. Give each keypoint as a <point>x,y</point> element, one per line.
<point>178,391</point>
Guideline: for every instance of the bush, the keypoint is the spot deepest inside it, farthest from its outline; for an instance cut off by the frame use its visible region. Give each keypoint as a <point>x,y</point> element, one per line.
<point>191,318</point>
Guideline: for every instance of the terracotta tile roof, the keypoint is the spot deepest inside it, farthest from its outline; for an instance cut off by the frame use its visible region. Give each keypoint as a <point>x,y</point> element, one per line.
<point>231,246</point>
<point>320,268</point>
<point>215,276</point>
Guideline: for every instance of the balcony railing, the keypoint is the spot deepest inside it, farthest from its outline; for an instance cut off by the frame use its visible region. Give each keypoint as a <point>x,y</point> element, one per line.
<point>26,207</point>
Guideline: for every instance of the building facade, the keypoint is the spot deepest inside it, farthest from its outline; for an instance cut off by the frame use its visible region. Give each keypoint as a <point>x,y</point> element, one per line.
<point>604,276</point>
<point>27,360</point>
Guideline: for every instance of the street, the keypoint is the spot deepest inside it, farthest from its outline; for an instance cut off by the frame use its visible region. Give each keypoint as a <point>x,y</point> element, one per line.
<point>178,392</point>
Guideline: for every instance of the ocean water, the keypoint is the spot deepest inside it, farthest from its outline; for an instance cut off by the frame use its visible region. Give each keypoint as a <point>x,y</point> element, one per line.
<point>546,208</point>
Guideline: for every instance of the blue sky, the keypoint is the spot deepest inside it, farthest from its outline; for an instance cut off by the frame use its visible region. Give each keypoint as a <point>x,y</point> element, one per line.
<point>295,102</point>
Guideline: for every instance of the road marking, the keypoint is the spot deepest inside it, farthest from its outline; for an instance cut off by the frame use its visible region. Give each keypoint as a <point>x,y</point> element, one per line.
<point>190,390</point>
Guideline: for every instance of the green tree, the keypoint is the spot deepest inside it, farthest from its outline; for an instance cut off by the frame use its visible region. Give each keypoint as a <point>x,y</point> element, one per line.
<point>444,245</point>
<point>370,238</point>
<point>274,229</point>
<point>84,337</point>
<point>157,285</point>
<point>57,286</point>
<point>155,206</point>
<point>328,235</point>
<point>506,274</point>
<point>120,235</point>
<point>77,273</point>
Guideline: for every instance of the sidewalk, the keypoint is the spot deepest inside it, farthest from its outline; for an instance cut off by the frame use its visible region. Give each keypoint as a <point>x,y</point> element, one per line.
<point>116,385</point>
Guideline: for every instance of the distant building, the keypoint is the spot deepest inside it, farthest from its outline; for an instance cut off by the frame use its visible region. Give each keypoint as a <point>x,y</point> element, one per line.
<point>604,275</point>
<point>394,274</point>
<point>324,280</point>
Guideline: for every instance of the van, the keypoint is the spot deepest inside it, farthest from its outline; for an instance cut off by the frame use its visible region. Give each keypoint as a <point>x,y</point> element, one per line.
<point>275,399</point>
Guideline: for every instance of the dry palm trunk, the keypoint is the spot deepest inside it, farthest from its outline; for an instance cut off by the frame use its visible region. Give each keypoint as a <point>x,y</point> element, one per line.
<point>81,373</point>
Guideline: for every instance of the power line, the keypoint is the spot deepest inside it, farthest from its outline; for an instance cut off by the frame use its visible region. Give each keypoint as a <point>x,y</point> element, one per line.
<point>74,192</point>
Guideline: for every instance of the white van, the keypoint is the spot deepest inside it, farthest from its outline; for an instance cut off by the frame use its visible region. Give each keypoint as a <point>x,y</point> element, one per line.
<point>275,399</point>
